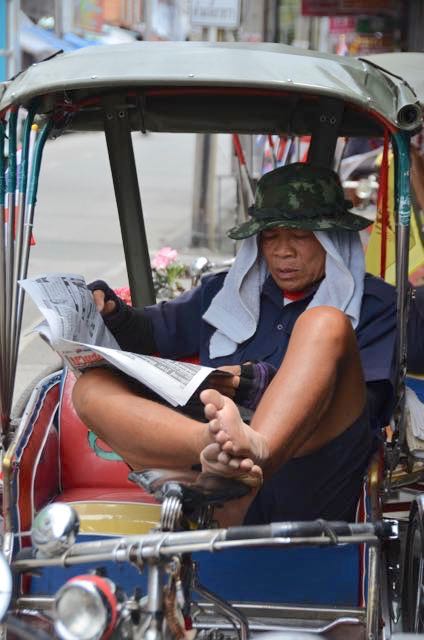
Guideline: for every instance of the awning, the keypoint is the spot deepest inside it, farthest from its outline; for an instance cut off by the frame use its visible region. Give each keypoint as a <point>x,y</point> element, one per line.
<point>41,43</point>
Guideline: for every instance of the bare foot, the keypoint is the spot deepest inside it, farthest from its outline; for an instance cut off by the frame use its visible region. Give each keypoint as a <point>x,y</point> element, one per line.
<point>228,429</point>
<point>215,461</point>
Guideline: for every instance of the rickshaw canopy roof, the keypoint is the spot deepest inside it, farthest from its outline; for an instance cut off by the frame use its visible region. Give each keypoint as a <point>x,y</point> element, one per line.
<point>407,65</point>
<point>199,86</point>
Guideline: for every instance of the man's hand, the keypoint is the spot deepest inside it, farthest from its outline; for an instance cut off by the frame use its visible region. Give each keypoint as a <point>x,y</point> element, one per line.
<point>105,299</point>
<point>104,307</point>
<point>247,384</point>
<point>227,385</point>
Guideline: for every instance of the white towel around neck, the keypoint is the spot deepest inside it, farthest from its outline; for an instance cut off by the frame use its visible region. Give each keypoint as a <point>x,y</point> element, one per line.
<point>234,311</point>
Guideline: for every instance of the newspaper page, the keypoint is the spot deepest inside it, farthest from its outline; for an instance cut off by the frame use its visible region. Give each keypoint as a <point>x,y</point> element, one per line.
<point>75,329</point>
<point>69,309</point>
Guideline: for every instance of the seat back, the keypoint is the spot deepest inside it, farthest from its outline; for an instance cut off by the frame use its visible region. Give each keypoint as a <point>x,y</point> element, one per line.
<point>30,466</point>
<point>85,460</point>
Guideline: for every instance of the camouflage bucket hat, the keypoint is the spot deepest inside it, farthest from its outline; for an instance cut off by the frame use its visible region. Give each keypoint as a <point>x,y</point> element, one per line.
<point>299,196</point>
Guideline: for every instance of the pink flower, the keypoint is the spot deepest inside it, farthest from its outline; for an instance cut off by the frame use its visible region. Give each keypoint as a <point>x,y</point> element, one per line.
<point>164,257</point>
<point>125,294</point>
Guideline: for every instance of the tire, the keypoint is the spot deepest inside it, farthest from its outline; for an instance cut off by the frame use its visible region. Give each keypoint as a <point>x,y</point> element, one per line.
<point>413,576</point>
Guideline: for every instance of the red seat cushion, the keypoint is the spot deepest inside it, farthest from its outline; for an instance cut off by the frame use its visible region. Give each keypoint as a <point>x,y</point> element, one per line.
<point>86,461</point>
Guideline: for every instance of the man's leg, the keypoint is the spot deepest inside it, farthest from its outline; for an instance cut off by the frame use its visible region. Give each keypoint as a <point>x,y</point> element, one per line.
<point>317,393</point>
<point>143,432</point>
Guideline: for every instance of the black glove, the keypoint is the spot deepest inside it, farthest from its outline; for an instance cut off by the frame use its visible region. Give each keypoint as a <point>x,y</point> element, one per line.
<point>132,328</point>
<point>254,379</point>
<point>101,285</point>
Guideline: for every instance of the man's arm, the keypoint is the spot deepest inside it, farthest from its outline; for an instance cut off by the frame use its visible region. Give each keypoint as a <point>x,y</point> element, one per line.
<point>171,329</point>
<point>132,328</point>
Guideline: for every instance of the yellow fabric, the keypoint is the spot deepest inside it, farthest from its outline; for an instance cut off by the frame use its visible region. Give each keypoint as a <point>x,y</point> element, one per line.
<point>116,518</point>
<point>416,249</point>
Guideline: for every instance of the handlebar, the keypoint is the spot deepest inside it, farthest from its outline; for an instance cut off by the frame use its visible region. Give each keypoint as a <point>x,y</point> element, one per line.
<point>154,546</point>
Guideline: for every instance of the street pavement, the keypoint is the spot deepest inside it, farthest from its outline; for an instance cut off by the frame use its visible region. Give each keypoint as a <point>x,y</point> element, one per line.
<point>76,222</point>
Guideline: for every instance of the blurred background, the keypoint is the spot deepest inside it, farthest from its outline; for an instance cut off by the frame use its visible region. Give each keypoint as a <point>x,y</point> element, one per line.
<point>30,30</point>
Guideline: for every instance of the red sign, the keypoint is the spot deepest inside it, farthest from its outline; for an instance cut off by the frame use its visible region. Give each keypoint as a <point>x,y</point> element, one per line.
<point>342,24</point>
<point>347,7</point>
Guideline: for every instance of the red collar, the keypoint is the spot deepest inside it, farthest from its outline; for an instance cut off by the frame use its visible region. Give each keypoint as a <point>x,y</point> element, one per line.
<point>294,296</point>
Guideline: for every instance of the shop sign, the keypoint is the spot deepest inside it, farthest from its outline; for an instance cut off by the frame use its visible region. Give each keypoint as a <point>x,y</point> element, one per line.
<point>223,14</point>
<point>347,7</point>
<point>342,24</point>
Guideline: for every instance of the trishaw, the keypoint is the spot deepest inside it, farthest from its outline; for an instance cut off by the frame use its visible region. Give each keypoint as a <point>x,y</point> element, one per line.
<point>94,554</point>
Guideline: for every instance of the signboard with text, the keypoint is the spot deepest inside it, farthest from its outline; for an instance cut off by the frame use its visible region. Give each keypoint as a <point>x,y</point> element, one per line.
<point>223,14</point>
<point>347,7</point>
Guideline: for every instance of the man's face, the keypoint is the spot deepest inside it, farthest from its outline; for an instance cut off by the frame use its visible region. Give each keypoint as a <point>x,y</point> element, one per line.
<point>294,257</point>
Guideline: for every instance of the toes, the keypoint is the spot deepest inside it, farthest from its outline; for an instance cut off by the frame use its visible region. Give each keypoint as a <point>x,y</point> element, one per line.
<point>228,445</point>
<point>257,471</point>
<point>234,463</point>
<point>210,411</point>
<point>211,396</point>
<point>222,456</point>
<point>222,438</point>
<point>211,452</point>
<point>214,426</point>
<point>246,464</point>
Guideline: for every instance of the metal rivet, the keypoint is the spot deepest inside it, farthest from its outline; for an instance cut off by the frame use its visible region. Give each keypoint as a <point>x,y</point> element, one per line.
<point>289,80</point>
<point>121,114</point>
<point>280,327</point>
<point>191,75</point>
<point>109,115</point>
<point>93,77</point>
<point>333,120</point>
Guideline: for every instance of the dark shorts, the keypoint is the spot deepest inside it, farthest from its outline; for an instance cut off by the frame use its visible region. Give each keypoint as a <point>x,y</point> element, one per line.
<point>324,484</point>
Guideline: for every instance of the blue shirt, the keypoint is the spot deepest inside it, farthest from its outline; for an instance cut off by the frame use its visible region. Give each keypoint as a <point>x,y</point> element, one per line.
<point>180,331</point>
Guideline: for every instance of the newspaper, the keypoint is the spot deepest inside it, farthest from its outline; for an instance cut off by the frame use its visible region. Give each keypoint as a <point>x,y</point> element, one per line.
<point>75,329</point>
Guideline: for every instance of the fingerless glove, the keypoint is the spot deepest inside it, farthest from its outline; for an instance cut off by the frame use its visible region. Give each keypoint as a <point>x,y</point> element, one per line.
<point>132,328</point>
<point>254,379</point>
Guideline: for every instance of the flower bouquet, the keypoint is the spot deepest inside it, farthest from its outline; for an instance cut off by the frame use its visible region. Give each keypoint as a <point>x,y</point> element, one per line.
<point>167,271</point>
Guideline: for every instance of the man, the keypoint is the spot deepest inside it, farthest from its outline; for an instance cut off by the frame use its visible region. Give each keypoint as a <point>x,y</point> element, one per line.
<point>296,300</point>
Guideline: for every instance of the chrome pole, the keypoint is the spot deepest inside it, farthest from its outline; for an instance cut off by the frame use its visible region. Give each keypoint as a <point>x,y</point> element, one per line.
<point>9,254</point>
<point>19,245</point>
<point>32,199</point>
<point>26,244</point>
<point>2,279</point>
<point>373,592</point>
<point>237,618</point>
<point>154,607</point>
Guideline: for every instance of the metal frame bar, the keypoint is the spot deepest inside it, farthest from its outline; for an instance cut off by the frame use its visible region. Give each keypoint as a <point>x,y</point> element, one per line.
<point>20,230</point>
<point>326,132</point>
<point>373,593</point>
<point>10,253</point>
<point>403,208</point>
<point>2,279</point>
<point>127,194</point>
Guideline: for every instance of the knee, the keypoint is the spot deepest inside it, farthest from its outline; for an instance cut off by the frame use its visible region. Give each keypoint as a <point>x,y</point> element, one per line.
<point>328,325</point>
<point>85,394</point>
